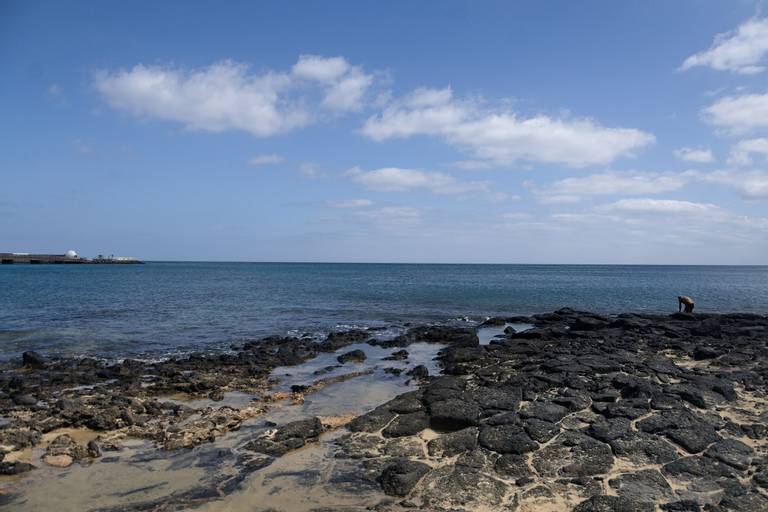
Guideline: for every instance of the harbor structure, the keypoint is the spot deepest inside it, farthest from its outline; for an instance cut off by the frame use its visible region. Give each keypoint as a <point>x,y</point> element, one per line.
<point>68,258</point>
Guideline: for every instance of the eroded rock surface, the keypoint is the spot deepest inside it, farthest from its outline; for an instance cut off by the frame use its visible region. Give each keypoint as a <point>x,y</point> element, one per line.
<point>588,413</point>
<point>39,396</point>
<point>285,438</point>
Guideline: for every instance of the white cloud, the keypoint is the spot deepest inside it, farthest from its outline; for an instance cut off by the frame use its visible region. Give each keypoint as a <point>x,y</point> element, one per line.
<point>741,152</point>
<point>621,183</point>
<point>502,137</point>
<point>349,203</point>
<point>348,93</point>
<point>321,69</point>
<point>739,114</point>
<point>227,96</point>
<point>610,183</point>
<point>741,51</point>
<point>346,84</point>
<point>665,206</point>
<point>428,97</point>
<point>260,160</point>
<point>750,184</point>
<point>217,98</point>
<point>697,155</point>
<point>395,179</point>
<point>424,111</point>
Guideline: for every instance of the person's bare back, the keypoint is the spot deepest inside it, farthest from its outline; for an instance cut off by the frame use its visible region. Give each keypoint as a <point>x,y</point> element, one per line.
<point>684,300</point>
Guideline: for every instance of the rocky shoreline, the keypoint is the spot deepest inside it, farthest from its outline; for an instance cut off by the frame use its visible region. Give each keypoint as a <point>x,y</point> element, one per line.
<point>582,412</point>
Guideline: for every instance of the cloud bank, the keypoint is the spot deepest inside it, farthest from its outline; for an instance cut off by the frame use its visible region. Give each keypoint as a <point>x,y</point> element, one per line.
<point>228,96</point>
<point>660,206</point>
<point>739,114</point>
<point>743,151</point>
<point>501,137</point>
<point>395,179</point>
<point>610,183</point>
<point>696,155</point>
<point>740,51</point>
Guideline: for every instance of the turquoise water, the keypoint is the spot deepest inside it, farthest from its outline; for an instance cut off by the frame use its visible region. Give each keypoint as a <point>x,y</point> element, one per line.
<point>161,308</point>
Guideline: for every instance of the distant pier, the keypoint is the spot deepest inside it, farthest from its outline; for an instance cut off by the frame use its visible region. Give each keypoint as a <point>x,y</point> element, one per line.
<point>68,258</point>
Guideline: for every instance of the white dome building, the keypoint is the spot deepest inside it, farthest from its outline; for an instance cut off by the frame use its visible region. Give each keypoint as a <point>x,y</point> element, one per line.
<point>72,255</point>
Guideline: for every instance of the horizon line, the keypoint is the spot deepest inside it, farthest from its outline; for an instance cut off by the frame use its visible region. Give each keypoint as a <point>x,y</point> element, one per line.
<point>297,262</point>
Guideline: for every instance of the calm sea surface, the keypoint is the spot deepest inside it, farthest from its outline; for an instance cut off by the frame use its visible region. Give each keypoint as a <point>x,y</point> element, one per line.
<point>161,308</point>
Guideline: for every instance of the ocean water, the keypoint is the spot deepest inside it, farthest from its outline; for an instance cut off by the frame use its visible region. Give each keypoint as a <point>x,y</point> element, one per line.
<point>161,308</point>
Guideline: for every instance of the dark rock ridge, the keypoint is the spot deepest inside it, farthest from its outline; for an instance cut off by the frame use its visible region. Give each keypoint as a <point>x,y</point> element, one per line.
<point>452,336</point>
<point>587,413</point>
<point>39,396</point>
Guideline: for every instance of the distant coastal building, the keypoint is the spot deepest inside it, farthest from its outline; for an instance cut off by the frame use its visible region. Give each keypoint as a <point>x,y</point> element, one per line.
<point>68,258</point>
<point>115,259</point>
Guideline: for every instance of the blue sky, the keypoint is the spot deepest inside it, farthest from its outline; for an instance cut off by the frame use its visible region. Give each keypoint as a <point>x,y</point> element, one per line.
<point>526,132</point>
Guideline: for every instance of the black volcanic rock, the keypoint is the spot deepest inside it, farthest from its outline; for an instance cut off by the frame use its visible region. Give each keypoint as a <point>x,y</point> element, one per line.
<point>696,466</point>
<point>401,475</point>
<point>681,506</point>
<point>406,425</point>
<point>357,356</point>
<point>643,449</point>
<point>31,359</point>
<point>453,443</point>
<point>646,485</point>
<point>15,468</point>
<point>703,352</point>
<point>419,372</point>
<point>397,355</point>
<point>453,414</point>
<point>288,437</point>
<point>546,411</point>
<point>452,336</point>
<point>372,421</point>
<point>540,430</point>
<point>24,399</point>
<point>603,503</point>
<point>573,454</point>
<point>507,439</point>
<point>406,403</point>
<point>341,339</point>
<point>588,323</point>
<point>732,452</point>
<point>682,427</point>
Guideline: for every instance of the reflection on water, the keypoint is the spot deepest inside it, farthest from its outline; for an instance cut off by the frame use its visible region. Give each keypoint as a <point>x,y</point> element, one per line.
<point>302,481</point>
